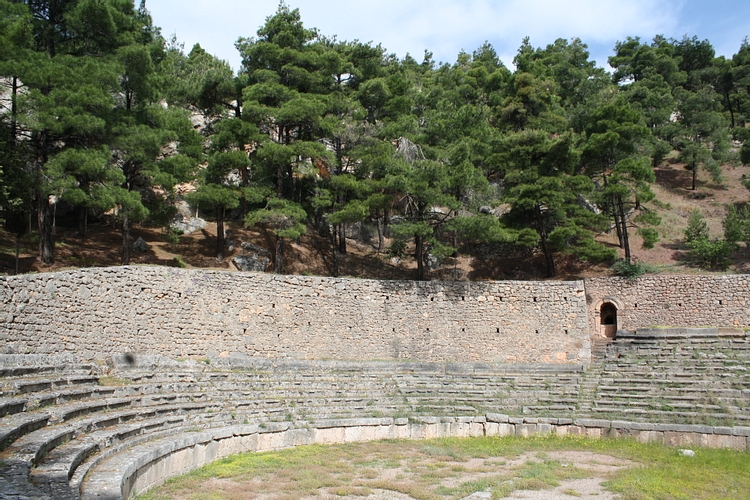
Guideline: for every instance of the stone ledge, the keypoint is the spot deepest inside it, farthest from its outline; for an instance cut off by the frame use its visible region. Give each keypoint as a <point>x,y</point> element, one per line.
<point>681,333</point>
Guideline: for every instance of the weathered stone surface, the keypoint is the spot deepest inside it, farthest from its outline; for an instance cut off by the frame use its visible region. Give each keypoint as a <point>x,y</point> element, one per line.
<point>497,417</point>
<point>176,313</point>
<point>188,224</point>
<point>678,300</point>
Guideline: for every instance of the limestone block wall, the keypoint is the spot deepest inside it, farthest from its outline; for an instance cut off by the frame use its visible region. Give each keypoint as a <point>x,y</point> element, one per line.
<point>662,300</point>
<point>96,312</point>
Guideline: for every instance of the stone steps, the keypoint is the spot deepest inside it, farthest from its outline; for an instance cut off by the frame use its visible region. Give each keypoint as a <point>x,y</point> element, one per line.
<point>11,369</point>
<point>64,446</point>
<point>68,425</point>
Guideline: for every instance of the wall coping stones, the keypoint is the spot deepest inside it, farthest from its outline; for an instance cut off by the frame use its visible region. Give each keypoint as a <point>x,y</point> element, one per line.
<point>592,422</point>
<point>702,429</point>
<point>352,422</point>
<point>497,418</point>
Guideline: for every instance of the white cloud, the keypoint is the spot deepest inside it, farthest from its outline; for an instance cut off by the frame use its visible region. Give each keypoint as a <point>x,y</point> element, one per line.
<point>441,26</point>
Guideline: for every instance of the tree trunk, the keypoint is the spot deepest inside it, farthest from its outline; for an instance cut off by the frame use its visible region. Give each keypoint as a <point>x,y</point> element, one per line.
<point>82,212</point>
<point>125,240</point>
<point>44,217</point>
<point>740,120</point>
<point>334,245</point>
<point>624,223</point>
<point>729,107</point>
<point>418,254</point>
<point>55,10</point>
<point>18,250</point>
<point>616,216</point>
<point>220,239</point>
<point>342,238</point>
<point>695,176</point>
<point>243,199</point>
<point>548,257</point>
<point>280,168</point>
<point>380,233</point>
<point>14,110</point>
<point>43,209</point>
<point>278,264</point>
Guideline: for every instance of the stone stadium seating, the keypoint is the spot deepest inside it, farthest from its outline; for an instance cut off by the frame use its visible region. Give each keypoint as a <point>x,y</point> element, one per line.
<point>94,431</point>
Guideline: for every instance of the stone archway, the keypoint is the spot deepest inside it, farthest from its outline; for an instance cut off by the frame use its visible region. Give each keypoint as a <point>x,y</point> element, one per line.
<point>608,319</point>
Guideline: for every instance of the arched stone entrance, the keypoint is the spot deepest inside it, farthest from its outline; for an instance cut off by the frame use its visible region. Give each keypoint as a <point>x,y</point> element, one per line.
<point>608,319</point>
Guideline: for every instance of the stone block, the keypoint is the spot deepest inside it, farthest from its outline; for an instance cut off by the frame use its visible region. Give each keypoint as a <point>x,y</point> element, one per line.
<point>727,441</point>
<point>545,428</point>
<point>672,438</point>
<point>593,422</point>
<point>595,432</point>
<point>497,417</point>
<point>525,430</point>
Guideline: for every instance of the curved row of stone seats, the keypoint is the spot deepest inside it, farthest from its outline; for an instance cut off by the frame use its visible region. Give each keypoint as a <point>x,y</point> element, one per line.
<point>64,441</point>
<point>693,375</point>
<point>56,439</point>
<point>67,442</point>
<point>59,451</point>
<point>29,387</point>
<point>149,464</point>
<point>388,386</point>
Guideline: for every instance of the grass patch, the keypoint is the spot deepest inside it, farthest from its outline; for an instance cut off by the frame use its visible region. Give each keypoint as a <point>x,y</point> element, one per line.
<point>441,469</point>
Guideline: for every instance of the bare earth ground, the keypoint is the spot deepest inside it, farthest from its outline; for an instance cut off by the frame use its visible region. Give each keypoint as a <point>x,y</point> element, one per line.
<point>312,254</point>
<point>596,468</point>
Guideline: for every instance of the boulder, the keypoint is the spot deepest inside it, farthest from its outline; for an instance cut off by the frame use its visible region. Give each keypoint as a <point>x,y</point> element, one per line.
<point>251,262</point>
<point>187,225</point>
<point>433,261</point>
<point>252,248</point>
<point>140,246</point>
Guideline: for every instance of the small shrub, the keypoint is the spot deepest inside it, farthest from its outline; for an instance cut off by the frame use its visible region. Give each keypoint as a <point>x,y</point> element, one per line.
<point>697,228</point>
<point>178,262</point>
<point>650,236</point>
<point>172,235</point>
<point>711,254</point>
<point>632,270</point>
<point>396,248</point>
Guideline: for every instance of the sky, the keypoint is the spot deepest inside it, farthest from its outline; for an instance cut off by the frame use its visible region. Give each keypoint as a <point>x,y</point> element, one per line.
<point>445,27</point>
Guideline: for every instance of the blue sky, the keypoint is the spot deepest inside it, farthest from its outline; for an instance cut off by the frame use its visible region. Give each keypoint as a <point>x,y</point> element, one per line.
<point>445,27</point>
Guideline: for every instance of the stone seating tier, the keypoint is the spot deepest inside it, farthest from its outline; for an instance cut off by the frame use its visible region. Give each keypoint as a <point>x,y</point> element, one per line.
<point>65,435</point>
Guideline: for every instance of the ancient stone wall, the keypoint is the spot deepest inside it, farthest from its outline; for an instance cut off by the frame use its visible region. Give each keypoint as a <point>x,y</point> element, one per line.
<point>662,300</point>
<point>94,313</point>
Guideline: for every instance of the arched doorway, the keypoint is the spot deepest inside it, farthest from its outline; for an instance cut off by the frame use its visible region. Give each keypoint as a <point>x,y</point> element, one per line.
<point>608,320</point>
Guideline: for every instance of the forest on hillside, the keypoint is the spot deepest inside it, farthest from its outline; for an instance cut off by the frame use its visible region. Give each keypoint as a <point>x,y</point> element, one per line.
<point>104,119</point>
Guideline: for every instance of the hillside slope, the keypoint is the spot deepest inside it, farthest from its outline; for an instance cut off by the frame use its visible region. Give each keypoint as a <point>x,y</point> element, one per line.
<point>312,253</point>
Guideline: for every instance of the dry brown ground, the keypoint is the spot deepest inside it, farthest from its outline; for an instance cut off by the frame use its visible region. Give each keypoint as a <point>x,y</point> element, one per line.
<point>312,253</point>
